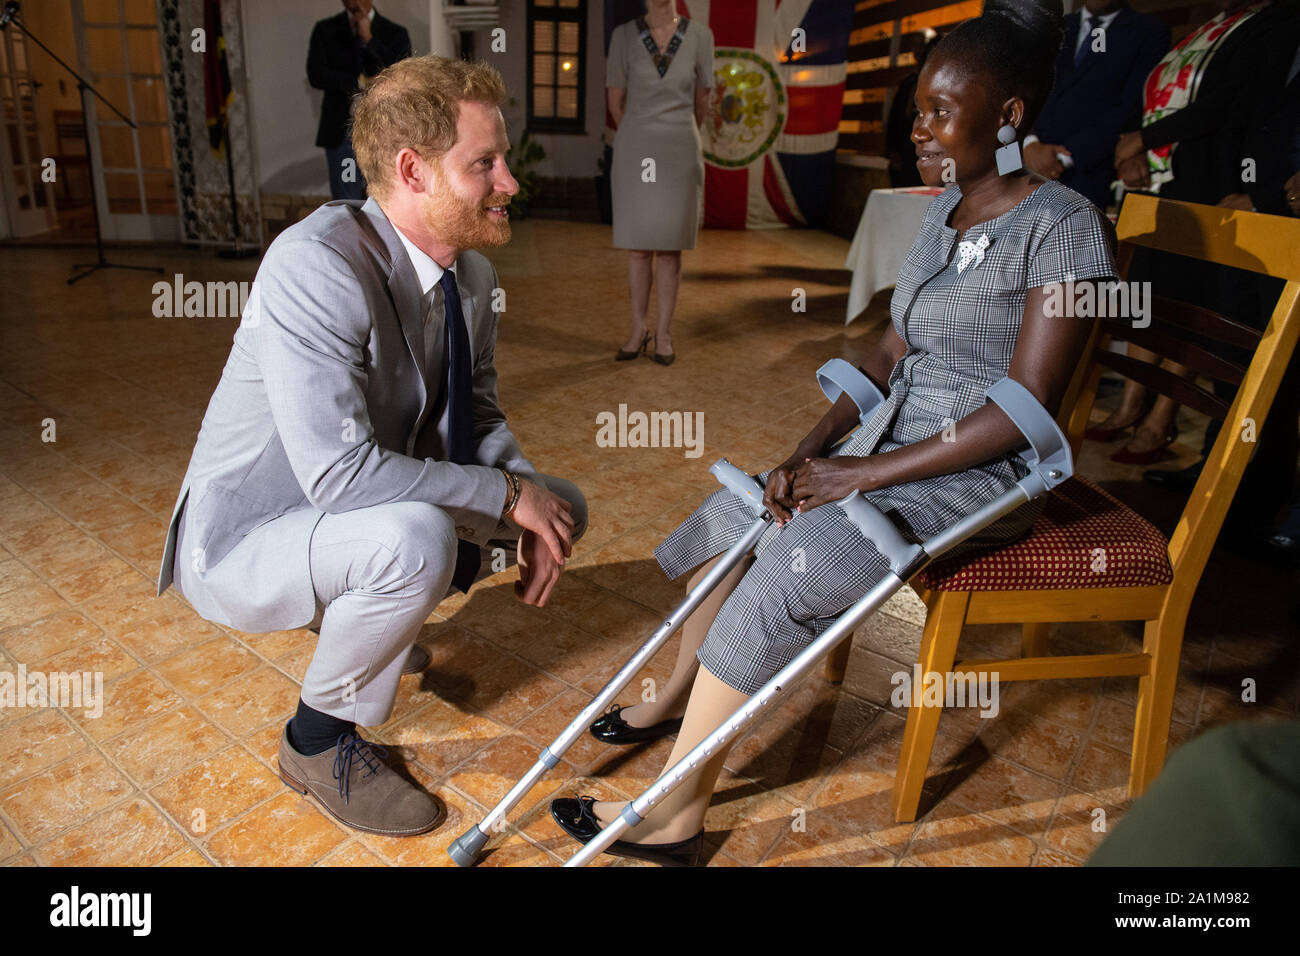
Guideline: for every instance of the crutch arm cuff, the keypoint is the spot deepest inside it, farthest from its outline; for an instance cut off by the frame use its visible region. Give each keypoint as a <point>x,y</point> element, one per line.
<point>1049,455</point>
<point>837,377</point>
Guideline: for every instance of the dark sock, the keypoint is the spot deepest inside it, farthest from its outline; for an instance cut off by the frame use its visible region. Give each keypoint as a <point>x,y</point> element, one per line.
<point>312,733</point>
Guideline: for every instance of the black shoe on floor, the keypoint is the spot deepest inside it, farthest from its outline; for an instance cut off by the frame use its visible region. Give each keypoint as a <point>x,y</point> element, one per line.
<point>578,820</point>
<point>610,728</point>
<point>1182,479</point>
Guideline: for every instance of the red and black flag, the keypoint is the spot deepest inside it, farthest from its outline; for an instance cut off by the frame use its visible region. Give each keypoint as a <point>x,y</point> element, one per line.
<point>217,91</point>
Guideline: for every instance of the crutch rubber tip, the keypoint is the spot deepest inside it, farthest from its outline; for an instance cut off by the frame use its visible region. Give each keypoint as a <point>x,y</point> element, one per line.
<point>467,849</point>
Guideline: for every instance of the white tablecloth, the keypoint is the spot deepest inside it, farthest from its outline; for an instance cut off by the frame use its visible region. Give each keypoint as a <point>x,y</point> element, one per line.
<point>885,234</point>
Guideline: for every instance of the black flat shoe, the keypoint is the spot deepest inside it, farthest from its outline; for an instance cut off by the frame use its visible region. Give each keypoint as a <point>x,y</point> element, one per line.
<point>610,728</point>
<point>1180,480</point>
<point>578,820</point>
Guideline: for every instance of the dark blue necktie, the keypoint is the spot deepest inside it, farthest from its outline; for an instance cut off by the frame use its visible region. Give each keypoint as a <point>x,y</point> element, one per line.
<point>1089,23</point>
<point>459,379</point>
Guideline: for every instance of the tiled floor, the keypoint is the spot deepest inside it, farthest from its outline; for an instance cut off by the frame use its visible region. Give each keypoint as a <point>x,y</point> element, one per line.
<point>180,768</point>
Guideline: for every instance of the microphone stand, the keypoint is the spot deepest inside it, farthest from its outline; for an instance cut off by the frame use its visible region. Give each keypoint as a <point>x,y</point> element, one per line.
<point>11,16</point>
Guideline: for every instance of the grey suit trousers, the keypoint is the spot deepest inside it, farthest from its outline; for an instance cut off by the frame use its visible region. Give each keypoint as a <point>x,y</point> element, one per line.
<point>378,573</point>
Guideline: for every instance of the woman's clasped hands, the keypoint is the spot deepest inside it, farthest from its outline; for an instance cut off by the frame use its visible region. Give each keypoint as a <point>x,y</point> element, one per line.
<point>801,483</point>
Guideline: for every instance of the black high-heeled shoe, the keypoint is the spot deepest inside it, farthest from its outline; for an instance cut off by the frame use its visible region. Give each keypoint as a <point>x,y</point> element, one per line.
<point>624,355</point>
<point>610,728</point>
<point>579,820</point>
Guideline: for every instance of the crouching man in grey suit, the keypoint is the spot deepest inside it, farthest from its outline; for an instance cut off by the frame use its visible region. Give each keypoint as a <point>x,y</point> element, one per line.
<point>353,462</point>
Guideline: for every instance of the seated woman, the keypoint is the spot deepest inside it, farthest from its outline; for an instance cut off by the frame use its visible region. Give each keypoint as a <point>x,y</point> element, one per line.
<point>976,301</point>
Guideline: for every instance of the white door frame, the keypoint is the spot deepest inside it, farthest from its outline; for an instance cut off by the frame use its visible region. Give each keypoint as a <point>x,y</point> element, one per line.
<point>19,87</point>
<point>136,226</point>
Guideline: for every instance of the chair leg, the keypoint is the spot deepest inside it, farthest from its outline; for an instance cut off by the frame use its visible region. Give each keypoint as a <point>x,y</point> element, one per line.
<point>943,627</point>
<point>837,661</point>
<point>1163,641</point>
<point>1033,640</point>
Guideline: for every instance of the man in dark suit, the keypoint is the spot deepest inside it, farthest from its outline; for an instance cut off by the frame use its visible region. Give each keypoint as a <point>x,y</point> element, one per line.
<point>346,50</point>
<point>1108,52</point>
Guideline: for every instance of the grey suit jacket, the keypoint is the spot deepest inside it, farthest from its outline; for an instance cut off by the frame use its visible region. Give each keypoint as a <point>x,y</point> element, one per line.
<point>325,406</point>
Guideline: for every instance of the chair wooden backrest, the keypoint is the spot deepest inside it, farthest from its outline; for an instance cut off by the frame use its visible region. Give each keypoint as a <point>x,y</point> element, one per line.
<point>1186,333</point>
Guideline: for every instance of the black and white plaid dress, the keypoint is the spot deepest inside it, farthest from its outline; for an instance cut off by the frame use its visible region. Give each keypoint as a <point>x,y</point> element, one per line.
<point>960,328</point>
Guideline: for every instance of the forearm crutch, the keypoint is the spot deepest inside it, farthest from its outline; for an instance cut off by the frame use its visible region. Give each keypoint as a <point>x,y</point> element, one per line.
<point>1050,464</point>
<point>835,377</point>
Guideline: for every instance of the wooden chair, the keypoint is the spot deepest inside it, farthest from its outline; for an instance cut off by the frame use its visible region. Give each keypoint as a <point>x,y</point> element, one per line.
<point>1051,575</point>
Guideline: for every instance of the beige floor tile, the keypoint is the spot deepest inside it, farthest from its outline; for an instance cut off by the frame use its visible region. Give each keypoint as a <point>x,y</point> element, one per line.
<point>351,853</point>
<point>188,857</point>
<point>32,643</point>
<point>129,702</point>
<point>285,831</point>
<point>472,671</point>
<point>63,796</point>
<point>30,745</point>
<point>29,603</point>
<point>951,837</point>
<point>9,845</point>
<point>817,841</point>
<point>209,795</point>
<point>1083,820</point>
<point>156,750</point>
<point>133,833</point>
<point>205,668</point>
<point>1047,748</point>
<point>440,736</point>
<point>1011,795</point>
<point>249,703</point>
<point>101,655</point>
<point>156,639</point>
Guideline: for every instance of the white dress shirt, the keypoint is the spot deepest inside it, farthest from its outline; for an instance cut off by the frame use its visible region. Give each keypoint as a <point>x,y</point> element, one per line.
<point>429,274</point>
<point>1085,32</point>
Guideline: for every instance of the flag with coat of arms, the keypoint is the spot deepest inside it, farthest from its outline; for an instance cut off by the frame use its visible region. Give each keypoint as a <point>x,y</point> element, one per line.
<point>769,142</point>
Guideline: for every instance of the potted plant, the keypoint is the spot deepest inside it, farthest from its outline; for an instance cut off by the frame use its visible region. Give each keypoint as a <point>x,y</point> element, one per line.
<point>523,158</point>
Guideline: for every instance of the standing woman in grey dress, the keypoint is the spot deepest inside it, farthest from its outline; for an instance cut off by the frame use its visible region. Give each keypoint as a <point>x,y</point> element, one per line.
<point>976,301</point>
<point>659,75</point>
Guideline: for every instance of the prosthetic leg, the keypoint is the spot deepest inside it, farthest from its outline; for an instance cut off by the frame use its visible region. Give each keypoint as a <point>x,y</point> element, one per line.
<point>1050,464</point>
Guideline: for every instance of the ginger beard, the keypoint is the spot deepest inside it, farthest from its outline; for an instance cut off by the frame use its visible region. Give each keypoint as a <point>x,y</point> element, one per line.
<point>463,223</point>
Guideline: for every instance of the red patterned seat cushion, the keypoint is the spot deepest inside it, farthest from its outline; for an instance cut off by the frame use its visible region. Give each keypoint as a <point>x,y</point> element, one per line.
<point>1084,538</point>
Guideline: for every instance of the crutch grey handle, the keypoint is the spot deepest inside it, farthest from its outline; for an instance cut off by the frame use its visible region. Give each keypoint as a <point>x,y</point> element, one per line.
<point>880,531</point>
<point>740,484</point>
<point>1049,456</point>
<point>838,377</point>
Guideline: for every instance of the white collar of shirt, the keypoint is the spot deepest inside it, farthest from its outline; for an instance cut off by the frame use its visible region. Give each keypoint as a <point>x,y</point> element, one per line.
<point>426,270</point>
<point>371,18</point>
<point>1103,21</point>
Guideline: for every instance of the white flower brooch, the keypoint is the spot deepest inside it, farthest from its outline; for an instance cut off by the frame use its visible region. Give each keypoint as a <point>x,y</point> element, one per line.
<point>971,252</point>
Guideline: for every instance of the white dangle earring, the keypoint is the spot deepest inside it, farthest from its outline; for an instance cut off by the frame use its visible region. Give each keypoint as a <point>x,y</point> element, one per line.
<point>1008,155</point>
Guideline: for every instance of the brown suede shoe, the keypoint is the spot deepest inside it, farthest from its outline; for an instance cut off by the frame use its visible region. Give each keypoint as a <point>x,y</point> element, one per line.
<point>354,786</point>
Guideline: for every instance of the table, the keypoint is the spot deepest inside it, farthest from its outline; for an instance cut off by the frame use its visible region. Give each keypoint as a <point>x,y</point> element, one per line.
<point>885,234</point>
